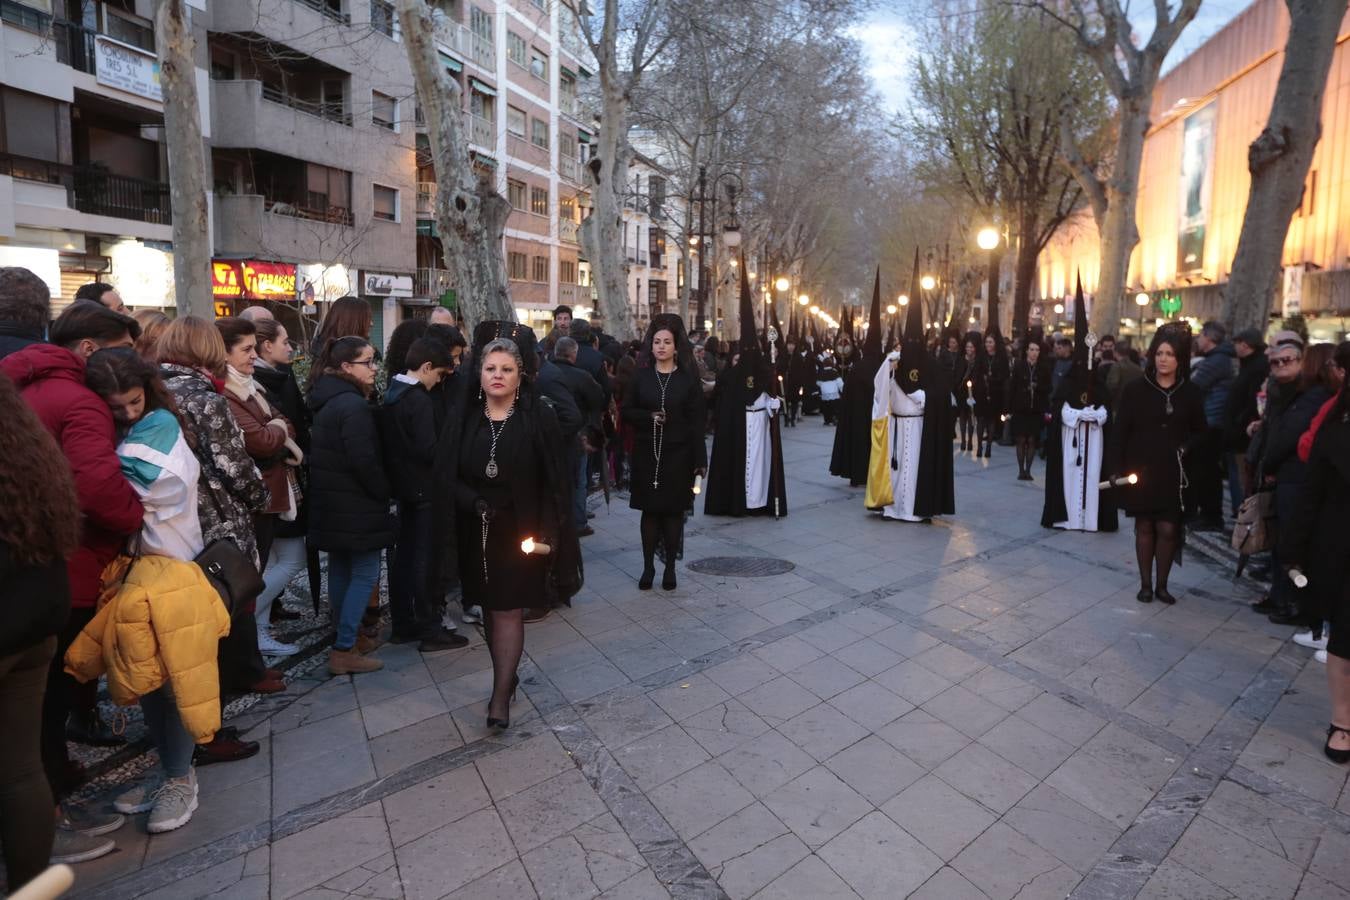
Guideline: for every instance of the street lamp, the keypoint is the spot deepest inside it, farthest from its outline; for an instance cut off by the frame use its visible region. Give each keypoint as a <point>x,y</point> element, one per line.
<point>815,310</point>
<point>1142,299</point>
<point>903,300</point>
<point>928,282</point>
<point>987,239</point>
<point>782,283</point>
<point>753,275</point>
<point>1059,309</point>
<point>891,309</point>
<point>803,300</point>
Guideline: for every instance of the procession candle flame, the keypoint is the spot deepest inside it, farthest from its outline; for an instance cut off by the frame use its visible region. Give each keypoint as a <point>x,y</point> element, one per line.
<point>698,484</point>
<point>1298,578</point>
<point>1118,482</point>
<point>531,546</point>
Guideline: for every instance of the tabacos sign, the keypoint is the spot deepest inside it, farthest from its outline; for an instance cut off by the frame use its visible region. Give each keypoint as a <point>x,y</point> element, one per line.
<point>247,279</point>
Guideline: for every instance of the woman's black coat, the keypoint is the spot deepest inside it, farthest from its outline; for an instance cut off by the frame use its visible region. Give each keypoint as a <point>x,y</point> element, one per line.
<point>1144,441</point>
<point>348,495</point>
<point>1315,540</point>
<point>545,502</point>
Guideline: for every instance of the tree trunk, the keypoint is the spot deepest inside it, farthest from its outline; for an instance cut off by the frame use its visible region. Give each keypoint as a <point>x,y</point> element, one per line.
<point>470,214</point>
<point>1024,275</point>
<point>1119,233</point>
<point>686,264</point>
<point>187,161</point>
<point>600,233</point>
<point>991,315</point>
<point>1279,159</point>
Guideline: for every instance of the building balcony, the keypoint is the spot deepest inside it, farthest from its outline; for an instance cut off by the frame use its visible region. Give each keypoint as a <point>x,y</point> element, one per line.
<point>426,199</point>
<point>482,132</point>
<point>254,225</point>
<point>636,257</point>
<point>569,169</point>
<point>460,41</point>
<point>569,294</point>
<point>569,232</point>
<point>431,283</point>
<point>573,108</point>
<point>250,115</point>
<point>94,190</point>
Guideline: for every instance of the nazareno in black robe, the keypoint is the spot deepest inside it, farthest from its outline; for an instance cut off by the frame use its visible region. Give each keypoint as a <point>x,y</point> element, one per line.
<point>1054,510</point>
<point>853,429</point>
<point>934,492</point>
<point>724,493</point>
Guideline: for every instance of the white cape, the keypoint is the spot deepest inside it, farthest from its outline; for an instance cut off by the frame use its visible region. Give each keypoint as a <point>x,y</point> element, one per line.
<point>904,435</point>
<point>758,450</point>
<point>1081,441</point>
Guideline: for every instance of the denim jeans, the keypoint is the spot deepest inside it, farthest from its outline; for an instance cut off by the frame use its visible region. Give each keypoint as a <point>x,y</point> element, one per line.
<point>171,740</point>
<point>352,575</point>
<point>579,493</point>
<point>411,604</point>
<point>286,560</point>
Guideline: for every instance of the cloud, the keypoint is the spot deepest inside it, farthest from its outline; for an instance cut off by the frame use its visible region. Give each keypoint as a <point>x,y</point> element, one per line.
<point>888,43</point>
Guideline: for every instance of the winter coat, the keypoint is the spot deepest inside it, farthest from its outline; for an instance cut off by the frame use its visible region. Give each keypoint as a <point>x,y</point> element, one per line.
<point>1305,441</point>
<point>160,465</point>
<point>230,490</point>
<point>1214,374</point>
<point>34,601</point>
<point>557,395</point>
<point>407,423</point>
<point>1280,451</point>
<point>592,362</point>
<point>162,626</point>
<point>1240,408</point>
<point>14,337</point>
<point>1315,538</point>
<point>51,380</point>
<point>585,390</point>
<point>269,439</point>
<point>348,492</point>
<point>284,394</point>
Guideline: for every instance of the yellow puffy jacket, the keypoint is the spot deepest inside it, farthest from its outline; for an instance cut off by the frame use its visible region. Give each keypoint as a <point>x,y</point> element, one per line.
<point>163,625</point>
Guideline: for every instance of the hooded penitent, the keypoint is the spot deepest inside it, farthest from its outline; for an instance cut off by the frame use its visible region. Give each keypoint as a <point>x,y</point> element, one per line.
<point>746,468</point>
<point>913,348</point>
<point>852,436</point>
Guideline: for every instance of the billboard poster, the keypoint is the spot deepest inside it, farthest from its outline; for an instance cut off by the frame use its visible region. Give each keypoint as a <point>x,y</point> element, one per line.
<point>126,68</point>
<point>1197,189</point>
<point>250,279</point>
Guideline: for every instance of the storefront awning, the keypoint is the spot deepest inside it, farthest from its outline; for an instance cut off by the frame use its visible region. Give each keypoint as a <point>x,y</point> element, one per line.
<point>568,72</point>
<point>482,88</point>
<point>451,63</point>
<point>583,136</point>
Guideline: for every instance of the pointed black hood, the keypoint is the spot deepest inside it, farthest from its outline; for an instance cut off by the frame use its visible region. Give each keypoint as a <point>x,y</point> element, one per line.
<point>913,348</point>
<point>752,373</point>
<point>1079,378</point>
<point>872,346</point>
<point>749,337</point>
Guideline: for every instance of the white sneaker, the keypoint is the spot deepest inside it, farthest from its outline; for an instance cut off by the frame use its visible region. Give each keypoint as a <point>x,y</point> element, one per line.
<point>472,615</point>
<point>1321,656</point>
<point>270,646</point>
<point>175,801</point>
<point>1305,639</point>
<point>141,795</point>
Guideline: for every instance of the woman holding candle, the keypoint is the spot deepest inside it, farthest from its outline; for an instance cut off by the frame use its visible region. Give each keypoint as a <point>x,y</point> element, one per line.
<point>1160,417</point>
<point>1030,405</point>
<point>514,543</point>
<point>665,409</point>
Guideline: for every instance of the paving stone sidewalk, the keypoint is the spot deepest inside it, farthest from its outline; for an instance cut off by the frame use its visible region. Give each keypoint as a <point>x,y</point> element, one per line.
<point>973,709</point>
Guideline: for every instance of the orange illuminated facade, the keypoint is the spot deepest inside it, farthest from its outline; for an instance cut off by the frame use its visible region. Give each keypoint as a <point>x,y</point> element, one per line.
<point>1194,181</point>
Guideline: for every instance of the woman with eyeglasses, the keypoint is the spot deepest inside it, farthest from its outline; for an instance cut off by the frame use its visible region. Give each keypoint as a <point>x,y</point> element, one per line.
<point>1300,384</point>
<point>348,492</point>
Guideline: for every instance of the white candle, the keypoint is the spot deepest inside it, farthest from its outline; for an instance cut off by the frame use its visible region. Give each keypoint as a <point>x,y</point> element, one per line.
<point>1118,482</point>
<point>530,545</point>
<point>698,484</point>
<point>1298,578</point>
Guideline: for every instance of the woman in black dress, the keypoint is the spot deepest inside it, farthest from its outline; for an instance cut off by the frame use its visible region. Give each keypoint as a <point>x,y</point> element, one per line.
<point>502,461</point>
<point>963,378</point>
<point>1159,418</point>
<point>1030,398</point>
<point>665,409</point>
<point>990,389</point>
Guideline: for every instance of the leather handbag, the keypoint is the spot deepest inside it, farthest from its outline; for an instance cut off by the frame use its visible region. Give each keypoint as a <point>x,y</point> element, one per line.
<point>231,573</point>
<point>1254,531</point>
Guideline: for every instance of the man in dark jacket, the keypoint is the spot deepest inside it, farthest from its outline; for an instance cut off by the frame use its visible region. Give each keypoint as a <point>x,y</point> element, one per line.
<point>589,359</point>
<point>408,436</point>
<point>25,309</point>
<point>51,379</point>
<point>1240,411</point>
<point>590,403</point>
<point>1214,374</point>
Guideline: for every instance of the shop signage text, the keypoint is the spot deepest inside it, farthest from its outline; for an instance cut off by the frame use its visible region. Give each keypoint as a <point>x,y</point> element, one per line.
<point>379,284</point>
<point>249,279</point>
<point>126,68</point>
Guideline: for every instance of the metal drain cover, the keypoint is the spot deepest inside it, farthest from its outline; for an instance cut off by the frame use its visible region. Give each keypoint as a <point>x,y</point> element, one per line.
<point>742,566</point>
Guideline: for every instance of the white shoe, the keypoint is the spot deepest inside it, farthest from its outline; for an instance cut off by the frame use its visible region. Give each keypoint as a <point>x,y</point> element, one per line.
<point>175,801</point>
<point>1305,639</point>
<point>270,646</point>
<point>141,795</point>
<point>1321,656</point>
<point>472,615</point>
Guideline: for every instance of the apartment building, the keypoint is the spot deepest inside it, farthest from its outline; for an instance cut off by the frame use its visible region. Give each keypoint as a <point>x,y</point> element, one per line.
<point>650,214</point>
<point>520,67</point>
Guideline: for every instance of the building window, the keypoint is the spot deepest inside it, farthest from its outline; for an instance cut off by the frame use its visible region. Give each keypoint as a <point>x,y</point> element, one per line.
<point>539,133</point>
<point>483,106</point>
<point>539,267</point>
<point>383,111</point>
<point>383,18</point>
<point>567,86</point>
<point>515,121</point>
<point>31,130</point>
<point>656,192</point>
<point>539,63</point>
<point>567,210</point>
<point>567,272</point>
<point>480,23</point>
<point>539,201</point>
<point>515,193</point>
<point>517,266</point>
<point>328,192</point>
<point>386,203</point>
<point>515,49</point>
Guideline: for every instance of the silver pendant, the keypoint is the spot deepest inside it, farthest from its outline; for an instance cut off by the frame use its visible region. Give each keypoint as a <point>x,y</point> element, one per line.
<point>491,470</point>
<point>1169,406</point>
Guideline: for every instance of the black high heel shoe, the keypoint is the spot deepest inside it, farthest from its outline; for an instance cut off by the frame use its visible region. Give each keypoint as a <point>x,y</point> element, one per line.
<point>1163,595</point>
<point>1336,756</point>
<point>1145,595</point>
<point>648,576</point>
<point>668,580</point>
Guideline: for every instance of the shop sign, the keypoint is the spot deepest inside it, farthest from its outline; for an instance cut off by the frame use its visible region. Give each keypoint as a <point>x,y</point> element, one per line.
<point>142,274</point>
<point>379,284</point>
<point>320,283</point>
<point>126,68</point>
<point>248,279</point>
<point>1291,299</point>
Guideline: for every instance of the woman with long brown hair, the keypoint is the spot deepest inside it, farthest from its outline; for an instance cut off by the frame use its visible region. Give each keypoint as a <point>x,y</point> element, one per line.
<point>39,529</point>
<point>347,317</point>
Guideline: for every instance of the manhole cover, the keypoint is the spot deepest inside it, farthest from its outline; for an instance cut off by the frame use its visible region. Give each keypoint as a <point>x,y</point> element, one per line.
<point>742,566</point>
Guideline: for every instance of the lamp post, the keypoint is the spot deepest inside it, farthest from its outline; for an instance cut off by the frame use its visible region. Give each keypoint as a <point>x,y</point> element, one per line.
<point>1142,300</point>
<point>706,235</point>
<point>989,240</point>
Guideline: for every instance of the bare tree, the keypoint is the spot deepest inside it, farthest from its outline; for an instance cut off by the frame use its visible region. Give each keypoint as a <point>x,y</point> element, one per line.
<point>470,214</point>
<point>1279,159</point>
<point>1131,73</point>
<point>187,160</point>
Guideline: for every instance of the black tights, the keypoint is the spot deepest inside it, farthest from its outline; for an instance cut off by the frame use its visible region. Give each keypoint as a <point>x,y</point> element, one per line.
<point>505,632</point>
<point>664,527</point>
<point>1155,539</point>
<point>966,424</point>
<point>1026,452</point>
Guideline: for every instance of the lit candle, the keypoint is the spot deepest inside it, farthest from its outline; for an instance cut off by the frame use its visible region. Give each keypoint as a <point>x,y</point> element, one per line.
<point>1298,578</point>
<point>1118,482</point>
<point>698,484</point>
<point>529,545</point>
